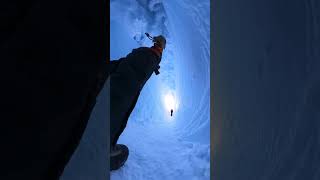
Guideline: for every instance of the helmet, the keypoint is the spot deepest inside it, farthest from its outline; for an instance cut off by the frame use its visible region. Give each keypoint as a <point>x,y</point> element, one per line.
<point>160,40</point>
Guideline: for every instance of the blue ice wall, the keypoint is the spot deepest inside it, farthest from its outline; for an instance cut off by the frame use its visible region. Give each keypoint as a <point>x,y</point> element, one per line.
<point>190,31</point>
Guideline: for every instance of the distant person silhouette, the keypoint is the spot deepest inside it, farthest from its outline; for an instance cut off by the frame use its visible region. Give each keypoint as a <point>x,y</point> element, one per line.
<point>128,75</point>
<point>171,111</point>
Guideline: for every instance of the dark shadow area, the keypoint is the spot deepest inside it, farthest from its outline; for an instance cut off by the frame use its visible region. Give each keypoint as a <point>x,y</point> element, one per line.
<point>53,64</point>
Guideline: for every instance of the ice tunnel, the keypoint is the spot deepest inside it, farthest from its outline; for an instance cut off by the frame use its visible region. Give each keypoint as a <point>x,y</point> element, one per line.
<point>164,146</point>
<point>161,146</point>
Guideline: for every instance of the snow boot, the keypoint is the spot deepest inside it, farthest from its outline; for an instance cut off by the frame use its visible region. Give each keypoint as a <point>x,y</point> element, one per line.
<point>118,156</point>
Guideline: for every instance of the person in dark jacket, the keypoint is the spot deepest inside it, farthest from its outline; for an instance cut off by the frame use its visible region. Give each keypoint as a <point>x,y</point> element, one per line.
<point>127,78</point>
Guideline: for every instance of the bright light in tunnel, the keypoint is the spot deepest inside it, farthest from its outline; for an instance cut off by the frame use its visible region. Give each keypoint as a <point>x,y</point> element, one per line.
<point>170,102</point>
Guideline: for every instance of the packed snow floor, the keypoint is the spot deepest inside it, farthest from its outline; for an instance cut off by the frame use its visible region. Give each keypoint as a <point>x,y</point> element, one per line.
<point>156,153</point>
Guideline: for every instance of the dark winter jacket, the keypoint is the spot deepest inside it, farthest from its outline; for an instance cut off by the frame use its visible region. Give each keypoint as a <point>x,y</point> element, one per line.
<point>127,80</point>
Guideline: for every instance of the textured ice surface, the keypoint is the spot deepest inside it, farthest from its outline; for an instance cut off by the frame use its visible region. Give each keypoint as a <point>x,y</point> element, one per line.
<point>156,153</point>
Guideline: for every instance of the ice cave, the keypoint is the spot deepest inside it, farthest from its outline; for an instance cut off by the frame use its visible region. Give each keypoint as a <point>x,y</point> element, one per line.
<point>265,92</point>
<point>161,146</point>
<point>164,146</point>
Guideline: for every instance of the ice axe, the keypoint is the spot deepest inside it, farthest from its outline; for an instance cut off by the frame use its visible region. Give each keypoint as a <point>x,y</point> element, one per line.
<point>159,40</point>
<point>149,36</point>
